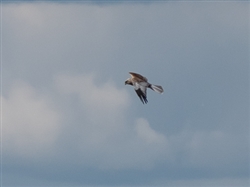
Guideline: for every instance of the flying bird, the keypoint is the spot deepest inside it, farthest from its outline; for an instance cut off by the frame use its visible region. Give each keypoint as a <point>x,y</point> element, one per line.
<point>141,84</point>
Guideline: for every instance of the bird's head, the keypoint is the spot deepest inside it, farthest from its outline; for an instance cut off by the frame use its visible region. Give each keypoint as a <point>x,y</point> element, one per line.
<point>128,81</point>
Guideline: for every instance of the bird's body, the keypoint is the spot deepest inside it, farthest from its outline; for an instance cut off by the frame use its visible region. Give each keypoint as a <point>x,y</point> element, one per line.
<point>141,84</point>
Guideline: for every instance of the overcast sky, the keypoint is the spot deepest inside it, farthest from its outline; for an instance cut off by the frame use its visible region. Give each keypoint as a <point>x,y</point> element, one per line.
<point>69,120</point>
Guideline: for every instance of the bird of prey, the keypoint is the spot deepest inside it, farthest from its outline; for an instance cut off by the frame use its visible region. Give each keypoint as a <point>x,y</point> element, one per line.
<point>141,84</point>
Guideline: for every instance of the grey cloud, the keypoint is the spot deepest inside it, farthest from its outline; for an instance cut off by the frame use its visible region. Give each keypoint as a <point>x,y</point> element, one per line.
<point>198,128</point>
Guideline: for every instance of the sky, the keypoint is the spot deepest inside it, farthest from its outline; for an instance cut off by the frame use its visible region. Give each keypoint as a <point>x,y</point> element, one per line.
<point>69,120</point>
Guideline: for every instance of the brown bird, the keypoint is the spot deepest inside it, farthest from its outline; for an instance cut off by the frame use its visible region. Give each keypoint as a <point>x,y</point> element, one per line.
<point>141,84</point>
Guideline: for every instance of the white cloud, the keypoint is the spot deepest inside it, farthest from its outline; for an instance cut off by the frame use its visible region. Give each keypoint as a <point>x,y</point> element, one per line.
<point>104,137</point>
<point>30,124</point>
<point>146,133</point>
<point>90,93</point>
<point>107,140</point>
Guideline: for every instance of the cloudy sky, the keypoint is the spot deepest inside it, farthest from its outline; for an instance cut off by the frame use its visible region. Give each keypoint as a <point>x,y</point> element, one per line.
<point>69,120</point>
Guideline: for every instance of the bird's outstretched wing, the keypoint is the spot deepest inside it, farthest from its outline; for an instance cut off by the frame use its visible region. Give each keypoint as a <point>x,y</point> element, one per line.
<point>138,77</point>
<point>141,92</point>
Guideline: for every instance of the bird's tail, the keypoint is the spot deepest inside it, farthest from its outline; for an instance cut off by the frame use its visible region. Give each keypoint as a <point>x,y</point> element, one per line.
<point>156,88</point>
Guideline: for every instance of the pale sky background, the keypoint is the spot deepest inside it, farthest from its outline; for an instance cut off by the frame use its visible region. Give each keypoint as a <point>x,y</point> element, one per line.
<point>69,120</point>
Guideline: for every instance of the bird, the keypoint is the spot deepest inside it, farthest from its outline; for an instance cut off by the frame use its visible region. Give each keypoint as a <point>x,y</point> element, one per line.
<point>141,84</point>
